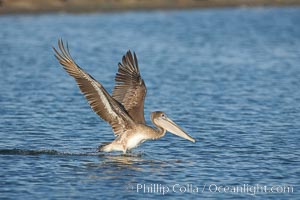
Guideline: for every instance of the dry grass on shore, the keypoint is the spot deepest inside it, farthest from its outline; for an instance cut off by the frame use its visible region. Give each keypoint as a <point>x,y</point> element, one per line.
<point>40,6</point>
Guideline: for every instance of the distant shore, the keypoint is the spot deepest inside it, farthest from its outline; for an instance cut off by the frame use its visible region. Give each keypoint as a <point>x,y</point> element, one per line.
<point>81,6</point>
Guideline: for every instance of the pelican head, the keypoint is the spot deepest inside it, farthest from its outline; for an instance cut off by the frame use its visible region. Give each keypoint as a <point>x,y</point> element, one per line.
<point>161,120</point>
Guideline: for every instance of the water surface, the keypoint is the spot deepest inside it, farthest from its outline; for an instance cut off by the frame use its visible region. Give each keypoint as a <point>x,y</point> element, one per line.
<point>229,77</point>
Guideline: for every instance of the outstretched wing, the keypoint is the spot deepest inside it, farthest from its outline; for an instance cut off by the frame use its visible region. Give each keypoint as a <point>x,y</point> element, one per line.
<point>130,89</point>
<point>99,99</point>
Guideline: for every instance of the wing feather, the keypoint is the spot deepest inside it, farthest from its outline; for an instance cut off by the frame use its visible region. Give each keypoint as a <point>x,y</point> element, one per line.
<point>99,99</point>
<point>130,89</point>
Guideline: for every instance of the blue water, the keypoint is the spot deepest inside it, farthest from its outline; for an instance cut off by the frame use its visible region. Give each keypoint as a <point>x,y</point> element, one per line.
<point>229,77</point>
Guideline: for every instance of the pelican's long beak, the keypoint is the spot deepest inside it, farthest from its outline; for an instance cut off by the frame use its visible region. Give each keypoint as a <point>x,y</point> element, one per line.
<point>172,127</point>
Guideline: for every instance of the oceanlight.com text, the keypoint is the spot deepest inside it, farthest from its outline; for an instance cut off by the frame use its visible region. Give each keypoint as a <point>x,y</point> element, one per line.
<point>164,189</point>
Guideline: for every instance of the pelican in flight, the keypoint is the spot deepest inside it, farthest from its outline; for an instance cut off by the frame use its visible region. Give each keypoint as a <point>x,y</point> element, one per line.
<point>124,109</point>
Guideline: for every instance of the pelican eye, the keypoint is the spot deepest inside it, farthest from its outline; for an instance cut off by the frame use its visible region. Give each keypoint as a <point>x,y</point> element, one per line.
<point>163,115</point>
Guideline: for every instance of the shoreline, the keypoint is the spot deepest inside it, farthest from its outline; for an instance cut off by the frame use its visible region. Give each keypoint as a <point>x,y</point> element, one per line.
<point>8,7</point>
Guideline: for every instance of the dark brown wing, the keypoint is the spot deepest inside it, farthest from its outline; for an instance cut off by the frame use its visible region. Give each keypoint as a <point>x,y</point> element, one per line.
<point>100,101</point>
<point>130,89</point>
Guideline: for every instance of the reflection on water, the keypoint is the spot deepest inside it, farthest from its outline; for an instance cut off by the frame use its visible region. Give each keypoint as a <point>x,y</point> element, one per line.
<point>229,77</point>
<point>134,162</point>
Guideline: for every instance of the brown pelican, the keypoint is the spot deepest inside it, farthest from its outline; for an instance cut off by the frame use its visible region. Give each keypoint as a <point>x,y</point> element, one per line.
<point>124,109</point>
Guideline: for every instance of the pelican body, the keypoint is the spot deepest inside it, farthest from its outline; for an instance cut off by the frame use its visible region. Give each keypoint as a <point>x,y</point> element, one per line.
<point>124,109</point>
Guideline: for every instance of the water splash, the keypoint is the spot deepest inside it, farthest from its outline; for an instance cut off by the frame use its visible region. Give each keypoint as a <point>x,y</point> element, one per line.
<point>17,151</point>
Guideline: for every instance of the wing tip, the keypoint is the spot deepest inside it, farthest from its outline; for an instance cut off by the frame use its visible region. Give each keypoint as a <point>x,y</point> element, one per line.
<point>62,52</point>
<point>129,61</point>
